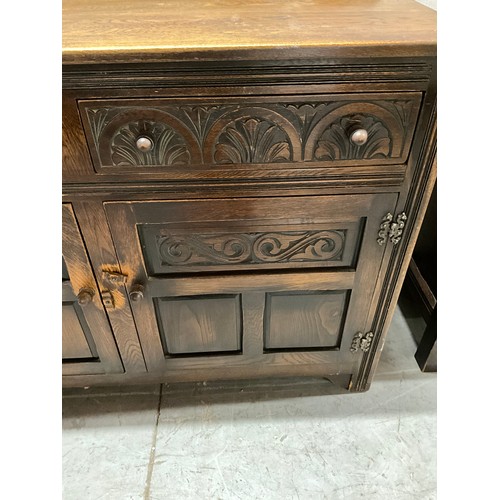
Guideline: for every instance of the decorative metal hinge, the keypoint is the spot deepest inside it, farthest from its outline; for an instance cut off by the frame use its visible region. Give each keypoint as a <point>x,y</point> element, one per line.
<point>114,277</point>
<point>362,342</point>
<point>390,229</point>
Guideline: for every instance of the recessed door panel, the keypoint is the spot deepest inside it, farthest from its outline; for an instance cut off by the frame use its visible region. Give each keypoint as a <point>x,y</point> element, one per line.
<point>305,320</point>
<point>282,285</point>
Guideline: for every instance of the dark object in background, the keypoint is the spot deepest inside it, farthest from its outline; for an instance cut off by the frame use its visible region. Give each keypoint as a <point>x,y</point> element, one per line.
<point>421,287</point>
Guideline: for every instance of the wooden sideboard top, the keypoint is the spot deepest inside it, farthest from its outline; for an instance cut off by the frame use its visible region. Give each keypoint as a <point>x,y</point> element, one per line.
<point>127,31</point>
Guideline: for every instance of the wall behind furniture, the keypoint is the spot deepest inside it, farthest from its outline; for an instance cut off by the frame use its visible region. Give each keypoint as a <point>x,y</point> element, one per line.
<point>430,3</point>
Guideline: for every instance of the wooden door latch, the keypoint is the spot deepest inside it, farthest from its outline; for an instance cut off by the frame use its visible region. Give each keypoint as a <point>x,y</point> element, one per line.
<point>114,277</point>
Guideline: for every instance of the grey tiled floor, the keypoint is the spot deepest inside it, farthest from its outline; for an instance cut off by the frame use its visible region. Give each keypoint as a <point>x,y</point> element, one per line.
<point>198,442</point>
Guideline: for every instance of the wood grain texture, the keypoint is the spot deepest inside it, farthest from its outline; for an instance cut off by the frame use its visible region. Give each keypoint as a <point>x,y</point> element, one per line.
<point>78,167</point>
<point>304,320</point>
<point>200,324</point>
<point>325,74</point>
<point>95,230</point>
<point>360,280</point>
<point>97,31</point>
<point>297,385</point>
<point>74,343</point>
<point>396,263</point>
<point>107,358</point>
<point>249,132</point>
<point>263,66</point>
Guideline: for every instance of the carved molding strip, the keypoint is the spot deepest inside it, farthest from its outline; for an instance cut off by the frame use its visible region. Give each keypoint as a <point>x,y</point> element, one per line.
<point>252,248</point>
<point>174,74</point>
<point>425,174</point>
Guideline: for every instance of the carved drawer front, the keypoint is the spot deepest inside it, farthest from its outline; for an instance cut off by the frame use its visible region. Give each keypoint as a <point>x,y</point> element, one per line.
<point>238,137</point>
<point>88,346</point>
<point>219,285</point>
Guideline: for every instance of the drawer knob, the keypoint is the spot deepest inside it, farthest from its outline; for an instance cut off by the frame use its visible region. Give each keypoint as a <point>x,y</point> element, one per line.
<point>136,293</point>
<point>144,144</point>
<point>85,296</point>
<point>359,137</point>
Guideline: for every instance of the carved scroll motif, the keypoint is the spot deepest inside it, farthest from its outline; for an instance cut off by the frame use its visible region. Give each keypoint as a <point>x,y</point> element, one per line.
<point>272,247</point>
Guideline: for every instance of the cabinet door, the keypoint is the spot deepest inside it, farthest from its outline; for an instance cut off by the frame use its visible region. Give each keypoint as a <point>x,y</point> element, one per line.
<point>88,346</point>
<point>250,287</point>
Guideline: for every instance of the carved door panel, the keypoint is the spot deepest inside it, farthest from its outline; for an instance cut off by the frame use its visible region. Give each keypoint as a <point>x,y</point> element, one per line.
<point>254,286</point>
<point>88,346</point>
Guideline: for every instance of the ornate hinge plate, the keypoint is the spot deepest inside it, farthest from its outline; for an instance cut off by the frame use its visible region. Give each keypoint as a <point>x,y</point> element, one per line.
<point>362,342</point>
<point>391,230</point>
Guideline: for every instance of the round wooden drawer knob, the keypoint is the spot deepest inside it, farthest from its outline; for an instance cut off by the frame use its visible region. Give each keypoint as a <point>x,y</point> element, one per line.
<point>144,144</point>
<point>359,137</point>
<point>85,296</point>
<point>136,293</point>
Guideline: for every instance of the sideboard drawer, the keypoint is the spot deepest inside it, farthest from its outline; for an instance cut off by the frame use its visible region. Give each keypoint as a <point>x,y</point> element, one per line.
<point>248,137</point>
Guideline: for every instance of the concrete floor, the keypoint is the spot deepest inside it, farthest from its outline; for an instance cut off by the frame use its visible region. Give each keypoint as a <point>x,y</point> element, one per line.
<point>195,441</point>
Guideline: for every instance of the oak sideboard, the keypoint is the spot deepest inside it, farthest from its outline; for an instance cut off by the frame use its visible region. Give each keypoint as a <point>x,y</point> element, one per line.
<point>243,185</point>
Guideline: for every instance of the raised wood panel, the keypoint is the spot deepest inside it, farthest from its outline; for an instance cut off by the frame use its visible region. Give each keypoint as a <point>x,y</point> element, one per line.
<point>200,324</point>
<point>304,320</point>
<point>74,341</point>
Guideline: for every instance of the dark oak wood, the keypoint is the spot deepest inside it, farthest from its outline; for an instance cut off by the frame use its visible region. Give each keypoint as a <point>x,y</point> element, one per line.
<point>304,320</point>
<point>94,228</point>
<point>357,279</point>
<point>88,345</point>
<point>196,324</point>
<point>246,239</point>
<point>199,135</point>
<point>75,344</point>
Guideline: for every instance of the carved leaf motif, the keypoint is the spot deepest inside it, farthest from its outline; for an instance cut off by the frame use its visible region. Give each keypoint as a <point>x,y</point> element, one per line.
<point>97,120</point>
<point>334,143</point>
<point>403,109</point>
<point>169,147</point>
<point>199,118</point>
<point>252,140</point>
<point>303,246</point>
<point>308,115</point>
